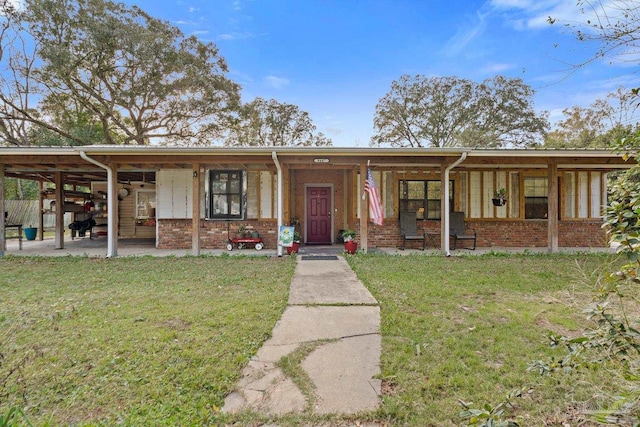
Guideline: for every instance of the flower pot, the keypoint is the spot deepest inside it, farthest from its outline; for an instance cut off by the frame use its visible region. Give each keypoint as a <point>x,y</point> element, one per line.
<point>351,246</point>
<point>293,248</point>
<point>499,202</point>
<point>30,232</point>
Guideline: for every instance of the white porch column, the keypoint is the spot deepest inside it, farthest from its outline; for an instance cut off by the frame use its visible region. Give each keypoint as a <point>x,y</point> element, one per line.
<point>112,205</point>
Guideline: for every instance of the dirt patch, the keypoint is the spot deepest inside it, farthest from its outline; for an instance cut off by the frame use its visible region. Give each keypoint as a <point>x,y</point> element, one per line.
<point>388,387</point>
<point>177,324</point>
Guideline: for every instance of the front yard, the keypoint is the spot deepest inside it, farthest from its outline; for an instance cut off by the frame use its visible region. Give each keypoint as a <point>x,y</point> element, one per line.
<point>466,328</point>
<point>161,341</point>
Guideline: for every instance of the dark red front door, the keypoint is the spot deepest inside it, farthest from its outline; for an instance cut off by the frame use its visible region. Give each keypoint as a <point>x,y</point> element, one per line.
<point>318,215</point>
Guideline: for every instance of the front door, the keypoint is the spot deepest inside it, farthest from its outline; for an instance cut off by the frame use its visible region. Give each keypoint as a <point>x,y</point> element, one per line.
<point>318,215</point>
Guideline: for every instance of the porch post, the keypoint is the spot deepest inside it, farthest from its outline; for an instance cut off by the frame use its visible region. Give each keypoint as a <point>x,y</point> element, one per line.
<point>112,204</point>
<point>444,185</point>
<point>280,201</point>
<point>364,210</point>
<point>444,210</point>
<point>3,242</point>
<point>195,215</point>
<point>552,214</point>
<point>40,211</point>
<point>59,211</point>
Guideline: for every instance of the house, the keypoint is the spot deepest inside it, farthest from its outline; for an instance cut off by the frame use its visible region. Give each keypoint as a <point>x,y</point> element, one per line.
<point>196,197</point>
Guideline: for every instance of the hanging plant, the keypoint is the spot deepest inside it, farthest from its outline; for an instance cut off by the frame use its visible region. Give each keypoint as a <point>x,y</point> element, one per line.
<point>500,197</point>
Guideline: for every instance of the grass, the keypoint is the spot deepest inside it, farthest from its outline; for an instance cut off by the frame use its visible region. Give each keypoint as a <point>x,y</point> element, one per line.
<point>466,328</point>
<point>135,341</point>
<point>161,341</point>
<point>291,365</point>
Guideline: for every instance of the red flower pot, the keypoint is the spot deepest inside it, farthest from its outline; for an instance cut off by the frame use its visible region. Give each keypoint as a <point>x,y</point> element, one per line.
<point>294,248</point>
<point>351,246</point>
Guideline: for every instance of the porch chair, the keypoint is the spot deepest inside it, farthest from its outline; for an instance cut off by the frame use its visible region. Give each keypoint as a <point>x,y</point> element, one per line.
<point>459,230</point>
<point>409,229</point>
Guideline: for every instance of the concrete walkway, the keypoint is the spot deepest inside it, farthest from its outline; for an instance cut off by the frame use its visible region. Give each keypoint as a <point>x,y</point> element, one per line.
<point>334,323</point>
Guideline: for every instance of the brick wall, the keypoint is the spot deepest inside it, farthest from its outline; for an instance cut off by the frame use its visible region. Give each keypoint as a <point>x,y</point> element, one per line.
<point>176,233</point>
<point>524,234</point>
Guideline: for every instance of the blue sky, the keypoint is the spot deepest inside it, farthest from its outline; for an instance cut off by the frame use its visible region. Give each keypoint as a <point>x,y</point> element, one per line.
<point>336,58</point>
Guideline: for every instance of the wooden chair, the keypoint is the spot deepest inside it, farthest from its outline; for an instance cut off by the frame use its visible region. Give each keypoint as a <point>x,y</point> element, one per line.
<point>409,229</point>
<point>459,230</point>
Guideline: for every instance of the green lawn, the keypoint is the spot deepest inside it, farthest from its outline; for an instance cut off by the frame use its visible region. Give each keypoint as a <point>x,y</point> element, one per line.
<point>138,341</point>
<point>465,329</point>
<point>161,341</point>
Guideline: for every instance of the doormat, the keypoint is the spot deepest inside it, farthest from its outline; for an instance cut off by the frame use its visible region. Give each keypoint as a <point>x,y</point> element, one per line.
<point>319,258</point>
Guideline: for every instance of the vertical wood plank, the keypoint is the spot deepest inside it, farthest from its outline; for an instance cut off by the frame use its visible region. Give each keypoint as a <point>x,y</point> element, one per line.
<point>3,242</point>
<point>40,211</point>
<point>59,211</point>
<point>552,214</point>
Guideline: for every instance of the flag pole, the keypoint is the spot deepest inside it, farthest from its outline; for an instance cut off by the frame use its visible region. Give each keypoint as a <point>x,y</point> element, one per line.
<point>364,192</point>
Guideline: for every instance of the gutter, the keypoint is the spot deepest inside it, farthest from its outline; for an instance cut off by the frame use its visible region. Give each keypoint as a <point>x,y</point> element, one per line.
<point>445,220</point>
<point>274,156</point>
<point>111,250</point>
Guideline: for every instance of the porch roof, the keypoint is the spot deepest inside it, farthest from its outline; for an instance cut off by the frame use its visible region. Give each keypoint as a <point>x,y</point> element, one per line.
<point>133,162</point>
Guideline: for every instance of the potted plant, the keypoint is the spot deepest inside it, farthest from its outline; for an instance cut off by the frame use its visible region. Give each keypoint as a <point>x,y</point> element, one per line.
<point>350,245</point>
<point>30,232</point>
<point>500,197</point>
<point>295,246</point>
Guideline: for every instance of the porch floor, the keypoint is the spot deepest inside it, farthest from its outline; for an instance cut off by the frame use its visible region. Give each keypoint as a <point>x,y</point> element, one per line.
<point>97,248</point>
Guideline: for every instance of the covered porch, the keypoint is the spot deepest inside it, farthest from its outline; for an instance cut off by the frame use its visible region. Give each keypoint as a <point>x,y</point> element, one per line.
<point>97,248</point>
<point>555,196</point>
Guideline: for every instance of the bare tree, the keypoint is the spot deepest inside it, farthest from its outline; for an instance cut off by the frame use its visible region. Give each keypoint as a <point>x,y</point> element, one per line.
<point>102,63</point>
<point>16,83</point>
<point>271,123</point>
<point>613,27</point>
<point>600,125</point>
<point>450,111</point>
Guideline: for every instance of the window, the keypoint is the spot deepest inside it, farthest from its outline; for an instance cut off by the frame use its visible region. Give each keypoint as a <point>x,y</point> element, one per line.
<point>145,204</point>
<point>227,194</point>
<point>423,196</point>
<point>536,198</point>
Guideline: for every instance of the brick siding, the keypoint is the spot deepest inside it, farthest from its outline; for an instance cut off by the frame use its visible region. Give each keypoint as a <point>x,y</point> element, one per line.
<point>176,233</point>
<point>533,233</point>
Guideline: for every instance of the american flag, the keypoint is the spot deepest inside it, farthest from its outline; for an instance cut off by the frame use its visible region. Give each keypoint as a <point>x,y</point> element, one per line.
<point>376,214</point>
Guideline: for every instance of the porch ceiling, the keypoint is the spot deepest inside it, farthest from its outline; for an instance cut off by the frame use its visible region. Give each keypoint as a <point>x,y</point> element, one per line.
<point>138,163</point>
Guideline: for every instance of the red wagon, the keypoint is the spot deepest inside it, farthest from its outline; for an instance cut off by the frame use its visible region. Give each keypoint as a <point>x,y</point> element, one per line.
<point>242,242</point>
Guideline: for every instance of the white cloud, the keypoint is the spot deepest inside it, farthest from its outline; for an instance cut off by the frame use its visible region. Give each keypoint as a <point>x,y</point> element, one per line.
<point>17,4</point>
<point>276,82</point>
<point>240,77</point>
<point>534,14</point>
<point>199,32</point>
<point>496,68</point>
<point>236,36</point>
<point>193,9</point>
<point>466,34</point>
